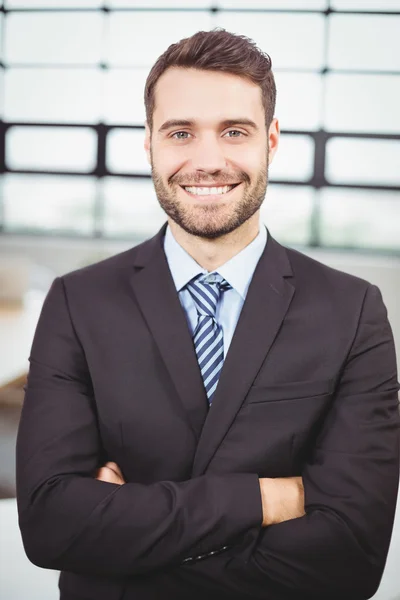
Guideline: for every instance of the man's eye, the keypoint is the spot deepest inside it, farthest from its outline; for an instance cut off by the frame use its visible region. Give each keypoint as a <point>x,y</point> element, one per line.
<point>180,135</point>
<point>234,133</point>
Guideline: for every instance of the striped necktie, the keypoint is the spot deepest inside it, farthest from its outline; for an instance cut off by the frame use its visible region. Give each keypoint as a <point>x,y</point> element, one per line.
<point>208,336</point>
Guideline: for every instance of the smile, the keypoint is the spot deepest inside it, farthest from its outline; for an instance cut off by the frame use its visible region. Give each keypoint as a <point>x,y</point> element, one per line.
<point>209,191</point>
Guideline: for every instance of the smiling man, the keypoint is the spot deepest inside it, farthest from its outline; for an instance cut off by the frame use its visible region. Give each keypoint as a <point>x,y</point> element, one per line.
<point>210,414</point>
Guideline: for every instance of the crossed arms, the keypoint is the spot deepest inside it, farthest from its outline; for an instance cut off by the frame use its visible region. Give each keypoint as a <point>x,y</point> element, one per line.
<point>282,498</point>
<point>72,521</point>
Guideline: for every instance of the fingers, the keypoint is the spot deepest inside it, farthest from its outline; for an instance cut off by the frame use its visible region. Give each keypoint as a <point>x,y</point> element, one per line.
<point>114,467</point>
<point>110,473</point>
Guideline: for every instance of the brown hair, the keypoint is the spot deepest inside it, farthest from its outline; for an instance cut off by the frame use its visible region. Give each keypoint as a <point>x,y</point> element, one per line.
<point>216,50</point>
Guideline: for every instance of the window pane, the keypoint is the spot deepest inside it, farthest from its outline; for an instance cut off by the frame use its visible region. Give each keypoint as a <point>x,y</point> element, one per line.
<point>51,148</point>
<point>54,3</point>
<point>125,151</point>
<point>299,100</point>
<point>55,95</point>
<point>1,93</point>
<point>138,39</point>
<point>280,4</point>
<point>294,159</point>
<point>363,161</point>
<point>1,35</point>
<point>363,103</point>
<point>52,204</point>
<point>124,89</point>
<point>131,208</point>
<point>159,3</point>
<point>360,218</point>
<point>350,50</point>
<point>287,213</point>
<point>53,38</point>
<point>380,5</point>
<point>292,40</point>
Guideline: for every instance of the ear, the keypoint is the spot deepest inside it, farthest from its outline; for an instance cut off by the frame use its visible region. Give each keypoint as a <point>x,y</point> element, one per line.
<point>147,142</point>
<point>273,138</point>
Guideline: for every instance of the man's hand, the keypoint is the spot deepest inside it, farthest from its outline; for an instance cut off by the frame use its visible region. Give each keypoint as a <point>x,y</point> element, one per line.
<point>111,473</point>
<point>282,499</point>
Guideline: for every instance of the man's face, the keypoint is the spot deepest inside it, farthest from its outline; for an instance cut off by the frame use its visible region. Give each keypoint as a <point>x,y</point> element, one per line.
<point>209,150</point>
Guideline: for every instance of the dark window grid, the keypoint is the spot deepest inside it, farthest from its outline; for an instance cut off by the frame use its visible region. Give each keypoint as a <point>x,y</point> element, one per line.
<point>188,9</point>
<point>317,181</point>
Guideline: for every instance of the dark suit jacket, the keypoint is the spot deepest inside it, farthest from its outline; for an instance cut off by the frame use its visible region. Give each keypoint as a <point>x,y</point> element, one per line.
<point>308,388</point>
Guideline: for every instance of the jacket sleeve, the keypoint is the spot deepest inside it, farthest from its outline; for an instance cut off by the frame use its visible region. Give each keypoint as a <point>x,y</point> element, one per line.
<point>71,521</point>
<point>339,548</point>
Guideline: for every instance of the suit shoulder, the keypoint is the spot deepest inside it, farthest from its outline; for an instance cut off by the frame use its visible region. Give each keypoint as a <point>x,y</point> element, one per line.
<point>313,271</point>
<point>106,268</point>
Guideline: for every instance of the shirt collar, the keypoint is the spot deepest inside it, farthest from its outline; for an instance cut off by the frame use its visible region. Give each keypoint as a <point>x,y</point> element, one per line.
<point>238,271</point>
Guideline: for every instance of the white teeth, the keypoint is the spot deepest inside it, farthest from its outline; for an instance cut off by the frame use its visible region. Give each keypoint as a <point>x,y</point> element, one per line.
<point>208,191</point>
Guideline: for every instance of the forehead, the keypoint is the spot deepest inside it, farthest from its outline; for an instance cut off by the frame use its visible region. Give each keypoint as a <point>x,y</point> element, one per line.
<point>199,95</point>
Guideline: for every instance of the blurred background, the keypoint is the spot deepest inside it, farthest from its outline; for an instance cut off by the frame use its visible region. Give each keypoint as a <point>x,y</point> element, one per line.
<point>75,186</point>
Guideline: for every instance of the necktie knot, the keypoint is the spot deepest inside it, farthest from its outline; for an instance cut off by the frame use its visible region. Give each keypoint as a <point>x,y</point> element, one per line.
<point>206,292</point>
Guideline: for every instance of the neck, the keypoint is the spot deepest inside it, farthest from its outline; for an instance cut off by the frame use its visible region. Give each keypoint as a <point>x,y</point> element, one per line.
<point>211,254</point>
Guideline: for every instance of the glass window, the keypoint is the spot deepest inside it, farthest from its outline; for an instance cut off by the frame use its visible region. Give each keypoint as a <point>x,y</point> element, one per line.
<point>54,38</point>
<point>2,94</point>
<point>360,218</point>
<point>362,103</point>
<point>131,208</point>
<point>278,4</point>
<point>159,3</point>
<point>50,203</point>
<point>139,38</point>
<point>294,159</point>
<point>362,161</point>
<point>293,41</point>
<point>124,89</point>
<point>54,3</point>
<point>380,5</point>
<point>286,212</point>
<point>55,95</point>
<point>1,35</point>
<point>299,100</point>
<point>349,52</point>
<point>51,148</point>
<point>125,151</point>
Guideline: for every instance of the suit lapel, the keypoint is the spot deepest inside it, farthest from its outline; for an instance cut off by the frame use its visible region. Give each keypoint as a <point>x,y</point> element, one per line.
<point>159,303</point>
<point>266,304</point>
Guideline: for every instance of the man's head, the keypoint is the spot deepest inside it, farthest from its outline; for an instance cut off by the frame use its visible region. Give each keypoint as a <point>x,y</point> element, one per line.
<point>210,102</point>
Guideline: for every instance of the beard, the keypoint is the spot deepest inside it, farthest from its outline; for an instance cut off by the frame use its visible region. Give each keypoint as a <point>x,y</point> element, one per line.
<point>211,220</point>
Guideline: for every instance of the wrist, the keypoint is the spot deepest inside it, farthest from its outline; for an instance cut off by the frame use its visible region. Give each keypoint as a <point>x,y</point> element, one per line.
<point>266,501</point>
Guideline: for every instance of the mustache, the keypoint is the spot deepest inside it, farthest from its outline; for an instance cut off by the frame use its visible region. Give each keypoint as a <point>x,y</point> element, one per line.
<point>204,178</point>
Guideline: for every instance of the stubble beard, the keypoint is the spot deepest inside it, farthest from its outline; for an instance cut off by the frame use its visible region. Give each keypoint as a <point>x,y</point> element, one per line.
<point>211,221</point>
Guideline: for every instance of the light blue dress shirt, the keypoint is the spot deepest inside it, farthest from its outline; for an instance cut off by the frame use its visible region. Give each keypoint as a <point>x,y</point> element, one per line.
<point>238,271</point>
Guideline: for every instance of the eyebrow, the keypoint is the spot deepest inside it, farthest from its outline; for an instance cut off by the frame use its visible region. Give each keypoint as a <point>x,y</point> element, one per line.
<point>190,123</point>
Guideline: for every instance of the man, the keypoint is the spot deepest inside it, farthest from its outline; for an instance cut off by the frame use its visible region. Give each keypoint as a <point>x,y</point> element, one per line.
<point>183,395</point>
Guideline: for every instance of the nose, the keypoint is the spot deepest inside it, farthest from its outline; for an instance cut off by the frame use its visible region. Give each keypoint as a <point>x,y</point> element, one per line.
<point>208,155</point>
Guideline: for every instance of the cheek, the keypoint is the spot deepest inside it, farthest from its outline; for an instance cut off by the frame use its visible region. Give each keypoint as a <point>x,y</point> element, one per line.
<point>251,161</point>
<point>168,161</point>
<point>256,159</point>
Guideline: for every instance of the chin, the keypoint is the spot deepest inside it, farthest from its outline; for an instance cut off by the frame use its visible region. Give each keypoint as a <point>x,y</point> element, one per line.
<point>209,230</point>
